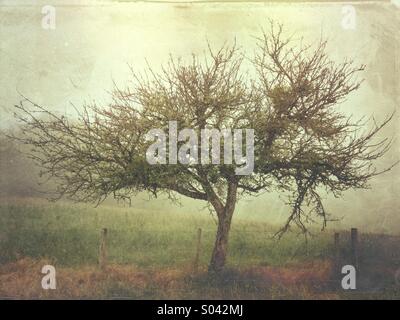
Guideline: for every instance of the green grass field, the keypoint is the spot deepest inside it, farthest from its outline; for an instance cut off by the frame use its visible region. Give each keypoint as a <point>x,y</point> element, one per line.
<point>69,234</point>
<point>157,244</point>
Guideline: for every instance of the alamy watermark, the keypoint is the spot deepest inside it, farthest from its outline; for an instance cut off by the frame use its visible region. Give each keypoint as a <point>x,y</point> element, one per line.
<point>188,142</point>
<point>49,280</point>
<point>49,17</point>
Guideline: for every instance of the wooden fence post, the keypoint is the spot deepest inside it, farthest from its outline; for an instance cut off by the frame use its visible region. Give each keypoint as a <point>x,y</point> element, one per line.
<point>103,249</point>
<point>198,247</point>
<point>336,262</point>
<point>354,247</point>
<point>337,249</point>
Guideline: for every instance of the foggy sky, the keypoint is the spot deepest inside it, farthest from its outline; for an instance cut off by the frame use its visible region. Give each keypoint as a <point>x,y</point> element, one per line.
<point>92,45</point>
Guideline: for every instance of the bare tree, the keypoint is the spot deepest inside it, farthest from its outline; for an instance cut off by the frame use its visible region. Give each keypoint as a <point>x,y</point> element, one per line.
<point>303,143</point>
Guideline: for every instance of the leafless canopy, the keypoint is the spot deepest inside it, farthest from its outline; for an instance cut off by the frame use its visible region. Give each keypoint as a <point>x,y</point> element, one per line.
<point>303,143</point>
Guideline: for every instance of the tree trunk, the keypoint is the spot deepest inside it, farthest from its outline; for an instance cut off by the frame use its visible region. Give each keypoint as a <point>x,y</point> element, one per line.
<point>225,214</point>
<point>218,257</point>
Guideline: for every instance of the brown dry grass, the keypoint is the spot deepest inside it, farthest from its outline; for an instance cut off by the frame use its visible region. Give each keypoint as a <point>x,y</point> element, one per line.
<point>22,280</point>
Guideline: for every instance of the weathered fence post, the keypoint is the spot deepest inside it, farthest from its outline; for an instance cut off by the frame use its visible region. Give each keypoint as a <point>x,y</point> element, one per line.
<point>354,247</point>
<point>103,250</point>
<point>198,247</point>
<point>337,257</point>
<point>337,250</point>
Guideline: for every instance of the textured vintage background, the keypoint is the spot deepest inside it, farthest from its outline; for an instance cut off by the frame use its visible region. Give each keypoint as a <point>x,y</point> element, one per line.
<point>95,40</point>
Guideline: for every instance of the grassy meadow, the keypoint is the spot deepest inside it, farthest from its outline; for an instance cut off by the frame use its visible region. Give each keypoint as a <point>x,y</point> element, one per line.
<point>150,254</point>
